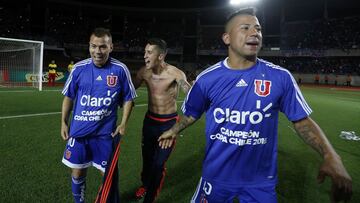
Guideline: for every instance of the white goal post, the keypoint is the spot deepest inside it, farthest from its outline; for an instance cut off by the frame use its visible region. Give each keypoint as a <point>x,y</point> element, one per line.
<point>21,63</point>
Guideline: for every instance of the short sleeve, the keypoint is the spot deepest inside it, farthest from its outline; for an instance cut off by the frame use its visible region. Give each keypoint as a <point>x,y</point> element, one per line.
<point>70,87</point>
<point>293,103</point>
<point>196,102</point>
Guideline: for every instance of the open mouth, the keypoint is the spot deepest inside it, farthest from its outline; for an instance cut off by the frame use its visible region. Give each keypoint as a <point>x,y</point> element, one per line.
<point>98,58</point>
<point>252,43</point>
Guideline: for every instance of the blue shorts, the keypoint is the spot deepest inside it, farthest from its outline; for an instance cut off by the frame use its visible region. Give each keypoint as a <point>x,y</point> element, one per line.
<point>207,192</point>
<point>84,152</point>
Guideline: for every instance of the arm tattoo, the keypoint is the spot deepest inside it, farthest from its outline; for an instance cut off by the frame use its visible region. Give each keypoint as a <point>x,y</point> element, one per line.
<point>185,86</point>
<point>311,135</point>
<point>184,123</point>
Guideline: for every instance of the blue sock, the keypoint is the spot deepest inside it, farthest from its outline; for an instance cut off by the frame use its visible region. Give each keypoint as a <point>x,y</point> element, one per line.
<point>78,189</point>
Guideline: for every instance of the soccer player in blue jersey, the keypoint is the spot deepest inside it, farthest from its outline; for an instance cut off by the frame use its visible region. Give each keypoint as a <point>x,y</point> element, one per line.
<point>95,88</point>
<point>163,82</point>
<point>242,96</point>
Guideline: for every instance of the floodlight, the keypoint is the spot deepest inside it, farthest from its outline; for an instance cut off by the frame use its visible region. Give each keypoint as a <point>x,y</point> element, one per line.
<point>241,2</point>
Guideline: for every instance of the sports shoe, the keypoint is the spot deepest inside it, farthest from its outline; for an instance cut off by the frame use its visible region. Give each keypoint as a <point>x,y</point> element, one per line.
<point>140,192</point>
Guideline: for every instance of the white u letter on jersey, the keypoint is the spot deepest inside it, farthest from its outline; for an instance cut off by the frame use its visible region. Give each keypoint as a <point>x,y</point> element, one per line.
<point>207,188</point>
<point>71,142</point>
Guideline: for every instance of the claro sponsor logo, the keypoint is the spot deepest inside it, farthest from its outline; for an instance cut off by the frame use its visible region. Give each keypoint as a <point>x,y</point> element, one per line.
<point>88,100</point>
<point>241,117</point>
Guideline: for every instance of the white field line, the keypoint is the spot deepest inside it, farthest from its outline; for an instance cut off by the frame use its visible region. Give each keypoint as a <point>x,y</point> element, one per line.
<point>291,128</point>
<point>49,113</point>
<point>57,90</point>
<point>16,91</point>
<point>29,115</point>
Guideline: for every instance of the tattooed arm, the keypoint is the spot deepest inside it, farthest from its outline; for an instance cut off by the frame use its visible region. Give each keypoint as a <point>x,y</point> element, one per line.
<point>311,133</point>
<point>332,165</point>
<point>182,82</point>
<point>184,85</point>
<point>167,138</point>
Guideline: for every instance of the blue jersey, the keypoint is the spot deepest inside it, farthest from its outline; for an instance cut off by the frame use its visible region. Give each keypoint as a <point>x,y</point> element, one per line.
<point>97,93</point>
<point>242,109</point>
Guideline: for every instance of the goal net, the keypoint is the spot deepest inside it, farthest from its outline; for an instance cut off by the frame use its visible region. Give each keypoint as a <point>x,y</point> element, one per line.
<point>21,63</point>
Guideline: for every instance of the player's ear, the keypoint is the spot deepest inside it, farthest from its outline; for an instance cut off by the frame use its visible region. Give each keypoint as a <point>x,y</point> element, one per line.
<point>161,56</point>
<point>226,38</point>
<point>111,47</point>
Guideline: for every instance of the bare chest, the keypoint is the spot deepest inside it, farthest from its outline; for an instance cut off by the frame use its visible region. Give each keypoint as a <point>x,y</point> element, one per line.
<point>160,83</point>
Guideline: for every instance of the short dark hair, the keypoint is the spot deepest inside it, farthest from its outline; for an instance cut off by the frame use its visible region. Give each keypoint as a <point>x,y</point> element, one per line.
<point>101,32</point>
<point>244,11</point>
<point>160,43</point>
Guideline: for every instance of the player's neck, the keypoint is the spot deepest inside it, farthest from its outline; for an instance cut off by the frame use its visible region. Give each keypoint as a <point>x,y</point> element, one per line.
<point>241,63</point>
<point>157,70</point>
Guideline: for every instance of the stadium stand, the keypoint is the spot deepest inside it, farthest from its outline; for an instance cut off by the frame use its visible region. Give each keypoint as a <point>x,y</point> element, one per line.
<point>302,45</point>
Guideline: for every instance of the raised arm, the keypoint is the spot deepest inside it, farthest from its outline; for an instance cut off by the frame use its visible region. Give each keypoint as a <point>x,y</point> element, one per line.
<point>138,78</point>
<point>65,114</point>
<point>182,81</point>
<point>167,138</point>
<point>332,165</point>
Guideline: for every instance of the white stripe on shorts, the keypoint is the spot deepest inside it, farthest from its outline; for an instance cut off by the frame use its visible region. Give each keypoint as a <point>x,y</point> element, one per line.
<point>196,191</point>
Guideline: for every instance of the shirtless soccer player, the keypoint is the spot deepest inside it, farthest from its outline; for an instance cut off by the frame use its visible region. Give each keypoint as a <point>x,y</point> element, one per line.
<point>163,82</point>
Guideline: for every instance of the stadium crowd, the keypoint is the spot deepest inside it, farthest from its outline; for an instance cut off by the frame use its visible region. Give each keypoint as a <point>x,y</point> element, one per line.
<point>304,40</point>
<point>322,34</point>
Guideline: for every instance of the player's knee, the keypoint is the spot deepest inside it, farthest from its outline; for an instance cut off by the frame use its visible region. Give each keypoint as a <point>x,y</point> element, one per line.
<point>77,173</point>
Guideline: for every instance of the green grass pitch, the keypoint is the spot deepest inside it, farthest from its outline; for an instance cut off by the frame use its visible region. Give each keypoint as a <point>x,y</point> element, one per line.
<point>31,149</point>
